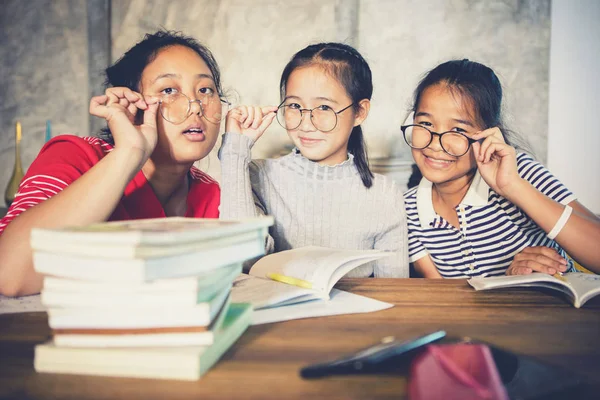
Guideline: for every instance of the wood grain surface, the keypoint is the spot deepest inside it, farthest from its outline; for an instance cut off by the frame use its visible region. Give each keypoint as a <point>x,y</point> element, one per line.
<point>265,362</point>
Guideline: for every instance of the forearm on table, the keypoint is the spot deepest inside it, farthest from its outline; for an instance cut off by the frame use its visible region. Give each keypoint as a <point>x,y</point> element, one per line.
<point>579,236</point>
<point>91,198</point>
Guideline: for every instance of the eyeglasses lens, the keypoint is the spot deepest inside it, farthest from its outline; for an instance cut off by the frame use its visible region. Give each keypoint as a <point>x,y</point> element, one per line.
<point>323,119</point>
<point>177,108</point>
<point>419,137</point>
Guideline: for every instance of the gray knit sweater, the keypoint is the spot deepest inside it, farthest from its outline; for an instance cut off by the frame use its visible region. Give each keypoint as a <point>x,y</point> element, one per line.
<point>315,204</point>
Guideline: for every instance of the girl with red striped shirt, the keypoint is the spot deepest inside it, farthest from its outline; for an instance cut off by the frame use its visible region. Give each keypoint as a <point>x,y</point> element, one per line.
<point>163,112</point>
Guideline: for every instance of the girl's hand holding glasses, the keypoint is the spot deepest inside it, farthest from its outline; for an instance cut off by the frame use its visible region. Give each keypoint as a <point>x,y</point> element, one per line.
<point>119,107</point>
<point>251,121</point>
<point>496,161</point>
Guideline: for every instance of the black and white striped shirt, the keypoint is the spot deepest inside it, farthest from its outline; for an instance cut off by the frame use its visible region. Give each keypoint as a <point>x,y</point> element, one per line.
<point>492,229</point>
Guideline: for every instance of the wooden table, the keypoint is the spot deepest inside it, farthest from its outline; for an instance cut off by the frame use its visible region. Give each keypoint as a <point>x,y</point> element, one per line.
<point>264,363</point>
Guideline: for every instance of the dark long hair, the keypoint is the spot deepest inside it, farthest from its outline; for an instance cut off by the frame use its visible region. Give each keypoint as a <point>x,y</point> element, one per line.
<point>127,71</point>
<point>351,70</point>
<point>480,85</point>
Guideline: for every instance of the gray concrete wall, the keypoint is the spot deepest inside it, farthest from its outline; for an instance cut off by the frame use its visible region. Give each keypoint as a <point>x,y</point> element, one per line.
<point>403,39</point>
<point>253,40</point>
<point>44,72</point>
<point>43,75</point>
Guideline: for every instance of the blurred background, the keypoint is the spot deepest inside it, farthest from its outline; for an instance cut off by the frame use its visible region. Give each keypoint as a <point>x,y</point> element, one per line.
<point>546,52</point>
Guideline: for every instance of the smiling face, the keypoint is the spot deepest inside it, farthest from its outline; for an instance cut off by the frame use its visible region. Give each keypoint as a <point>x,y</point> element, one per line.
<point>179,69</point>
<point>441,109</point>
<point>313,87</point>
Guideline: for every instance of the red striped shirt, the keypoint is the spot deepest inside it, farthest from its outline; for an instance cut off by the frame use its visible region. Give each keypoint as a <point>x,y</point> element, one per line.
<point>65,158</point>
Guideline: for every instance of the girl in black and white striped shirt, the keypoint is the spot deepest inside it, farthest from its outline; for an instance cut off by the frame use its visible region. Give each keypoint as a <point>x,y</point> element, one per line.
<point>482,209</point>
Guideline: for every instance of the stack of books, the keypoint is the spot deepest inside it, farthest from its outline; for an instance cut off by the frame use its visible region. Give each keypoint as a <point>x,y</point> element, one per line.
<point>144,298</point>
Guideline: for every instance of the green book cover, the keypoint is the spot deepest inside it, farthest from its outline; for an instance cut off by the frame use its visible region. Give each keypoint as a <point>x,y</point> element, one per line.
<point>185,363</point>
<point>236,322</point>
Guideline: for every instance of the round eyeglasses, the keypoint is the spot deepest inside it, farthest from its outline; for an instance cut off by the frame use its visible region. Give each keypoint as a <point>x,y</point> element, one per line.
<point>454,143</point>
<point>177,107</point>
<point>322,117</point>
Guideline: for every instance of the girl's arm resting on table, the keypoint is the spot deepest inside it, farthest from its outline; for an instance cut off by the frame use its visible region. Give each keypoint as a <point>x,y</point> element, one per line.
<point>91,198</point>
<point>427,268</point>
<point>579,236</point>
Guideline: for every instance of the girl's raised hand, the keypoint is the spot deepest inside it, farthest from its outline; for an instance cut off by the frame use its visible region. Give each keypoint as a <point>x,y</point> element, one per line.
<point>119,106</point>
<point>496,161</point>
<point>250,121</point>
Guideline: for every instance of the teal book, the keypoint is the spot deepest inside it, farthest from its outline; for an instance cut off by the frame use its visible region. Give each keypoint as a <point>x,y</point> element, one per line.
<point>181,363</point>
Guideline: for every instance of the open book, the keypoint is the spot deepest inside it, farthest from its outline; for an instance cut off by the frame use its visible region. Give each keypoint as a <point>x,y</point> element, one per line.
<point>310,273</point>
<point>298,275</point>
<point>580,287</point>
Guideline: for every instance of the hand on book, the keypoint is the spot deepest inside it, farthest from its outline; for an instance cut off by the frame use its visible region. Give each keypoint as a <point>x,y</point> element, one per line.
<point>119,106</point>
<point>537,259</point>
<point>250,121</point>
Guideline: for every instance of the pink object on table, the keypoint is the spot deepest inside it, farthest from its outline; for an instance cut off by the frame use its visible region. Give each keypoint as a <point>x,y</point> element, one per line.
<point>455,371</point>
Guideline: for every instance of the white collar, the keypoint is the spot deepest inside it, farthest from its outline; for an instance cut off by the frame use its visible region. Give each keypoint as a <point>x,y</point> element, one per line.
<point>477,196</point>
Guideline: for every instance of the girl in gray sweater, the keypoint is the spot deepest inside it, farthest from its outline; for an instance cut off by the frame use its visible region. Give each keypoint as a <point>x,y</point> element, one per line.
<point>322,193</point>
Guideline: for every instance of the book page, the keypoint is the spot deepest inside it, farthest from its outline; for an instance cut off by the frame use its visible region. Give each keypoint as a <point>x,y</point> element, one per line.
<point>12,305</point>
<point>579,286</point>
<point>263,293</point>
<point>483,283</point>
<point>340,303</point>
<point>584,285</point>
<point>313,264</point>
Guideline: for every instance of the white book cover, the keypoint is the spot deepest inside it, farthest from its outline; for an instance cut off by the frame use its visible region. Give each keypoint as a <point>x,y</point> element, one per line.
<point>150,338</point>
<point>105,269</point>
<point>141,253</point>
<point>128,316</point>
<point>177,292</point>
<point>156,231</point>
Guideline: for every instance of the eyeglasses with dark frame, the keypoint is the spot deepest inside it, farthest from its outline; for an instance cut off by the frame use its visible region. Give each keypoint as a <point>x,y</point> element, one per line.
<point>323,119</point>
<point>454,143</point>
<point>177,107</point>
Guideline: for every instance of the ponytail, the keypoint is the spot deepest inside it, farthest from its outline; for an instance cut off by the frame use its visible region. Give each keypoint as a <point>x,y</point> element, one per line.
<point>357,147</point>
